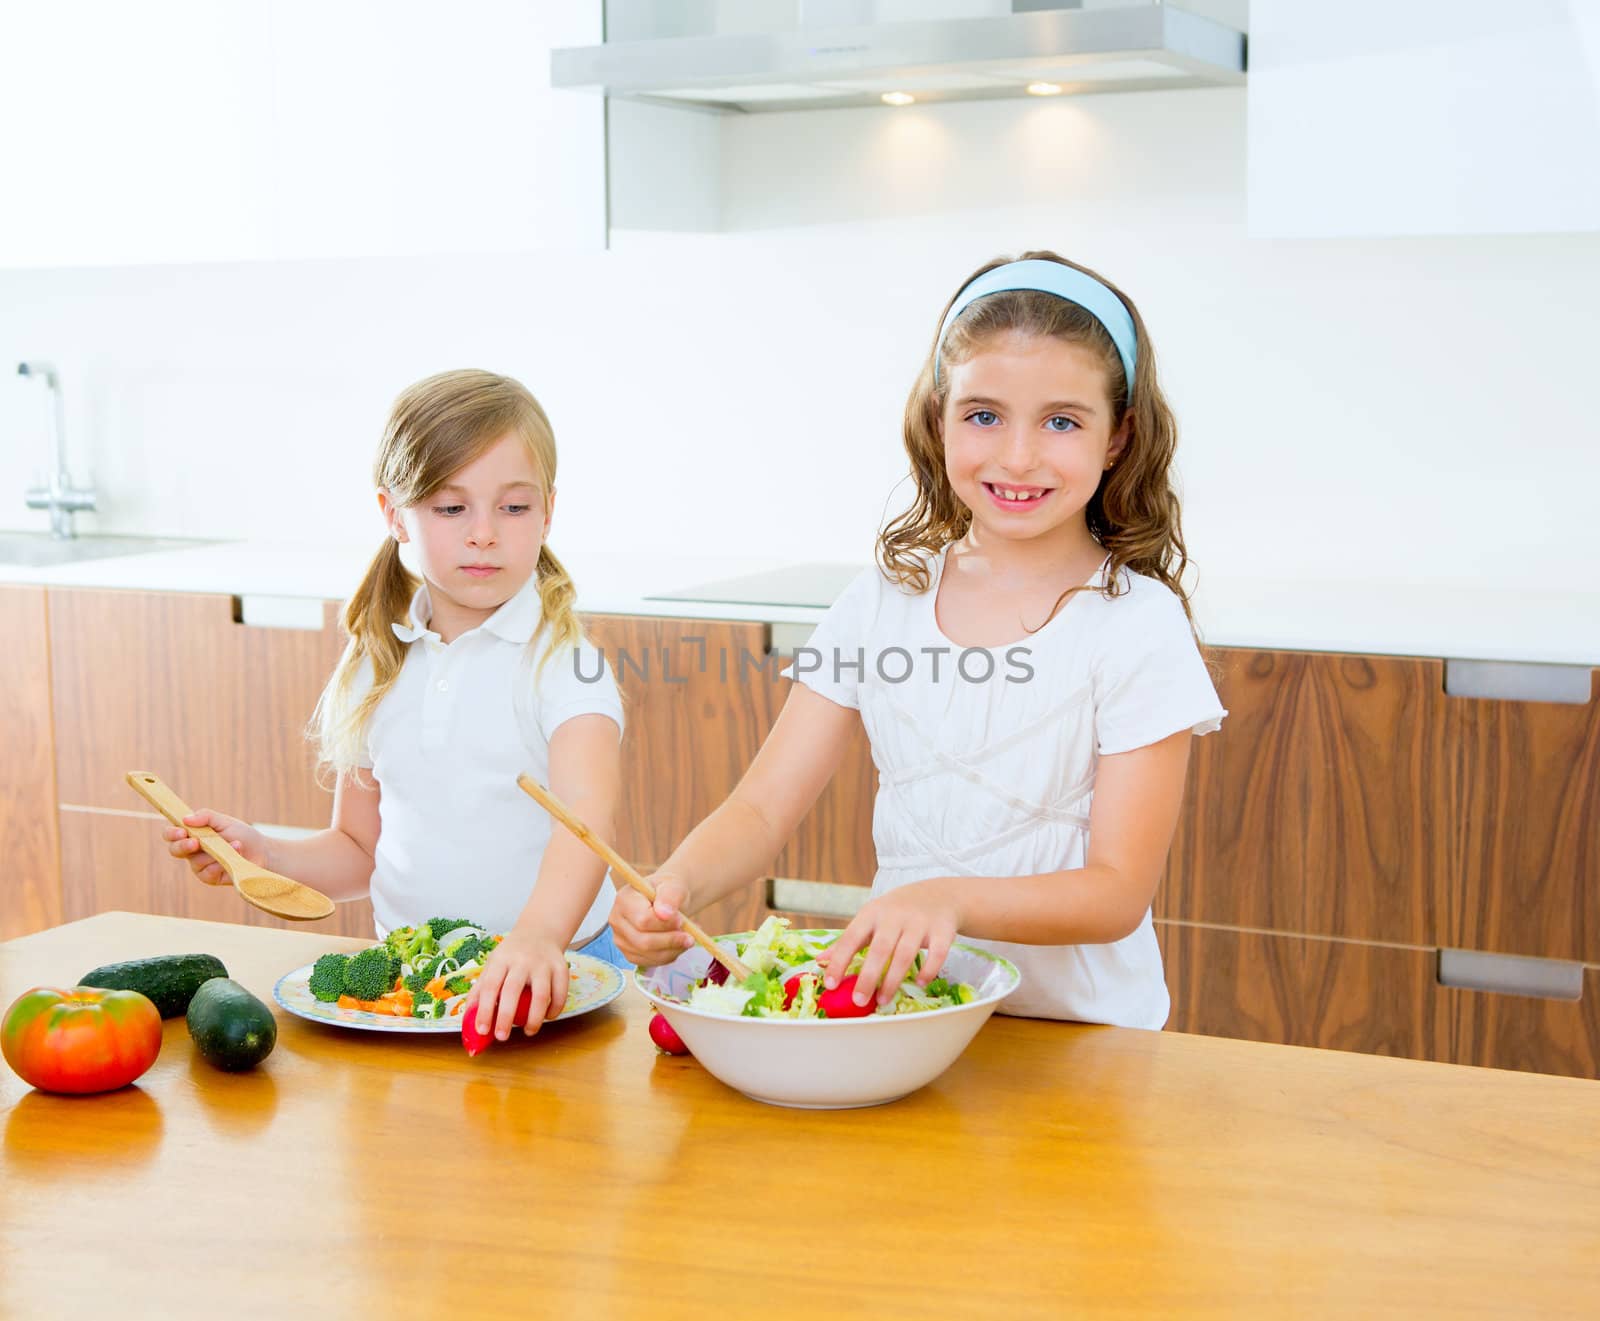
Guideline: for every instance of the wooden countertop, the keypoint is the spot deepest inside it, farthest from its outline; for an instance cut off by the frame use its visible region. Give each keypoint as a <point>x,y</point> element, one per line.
<point>1053,1170</point>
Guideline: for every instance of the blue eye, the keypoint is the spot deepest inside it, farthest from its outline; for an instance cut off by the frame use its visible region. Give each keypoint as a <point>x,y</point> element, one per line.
<point>983,417</point>
<point>449,511</point>
<point>517,509</point>
<point>1068,424</point>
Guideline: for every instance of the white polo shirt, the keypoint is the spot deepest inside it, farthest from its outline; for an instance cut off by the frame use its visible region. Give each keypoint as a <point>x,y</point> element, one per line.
<point>457,837</point>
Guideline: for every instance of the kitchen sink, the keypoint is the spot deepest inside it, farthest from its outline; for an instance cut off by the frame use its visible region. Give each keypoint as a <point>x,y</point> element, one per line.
<point>41,550</point>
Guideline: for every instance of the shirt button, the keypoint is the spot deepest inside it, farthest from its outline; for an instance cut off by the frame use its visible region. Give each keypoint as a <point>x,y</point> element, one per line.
<point>443,685</point>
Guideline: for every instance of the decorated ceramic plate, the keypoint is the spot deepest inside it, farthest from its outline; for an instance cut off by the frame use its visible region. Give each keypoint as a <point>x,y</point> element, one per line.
<point>592,984</point>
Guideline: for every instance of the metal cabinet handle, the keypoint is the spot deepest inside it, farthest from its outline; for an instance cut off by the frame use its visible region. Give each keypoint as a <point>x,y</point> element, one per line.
<point>297,612</point>
<point>1518,681</point>
<point>1510,974</point>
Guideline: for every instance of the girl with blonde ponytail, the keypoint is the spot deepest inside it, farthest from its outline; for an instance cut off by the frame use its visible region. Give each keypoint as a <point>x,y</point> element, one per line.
<point>1022,659</point>
<point>456,678</point>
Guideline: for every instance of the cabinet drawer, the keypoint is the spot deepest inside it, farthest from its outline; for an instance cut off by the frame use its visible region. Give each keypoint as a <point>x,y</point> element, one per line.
<point>1378,999</point>
<point>698,705</point>
<point>1524,860</point>
<point>1349,796</point>
<point>1323,804</point>
<point>169,682</point>
<point>692,726</point>
<point>112,862</point>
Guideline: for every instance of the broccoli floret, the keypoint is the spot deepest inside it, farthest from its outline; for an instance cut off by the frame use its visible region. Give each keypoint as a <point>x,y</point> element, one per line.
<point>398,939</point>
<point>487,945</point>
<point>422,1005</point>
<point>416,982</point>
<point>410,943</point>
<point>464,950</point>
<point>371,973</point>
<point>327,977</point>
<point>441,926</point>
<point>458,985</point>
<point>436,1009</point>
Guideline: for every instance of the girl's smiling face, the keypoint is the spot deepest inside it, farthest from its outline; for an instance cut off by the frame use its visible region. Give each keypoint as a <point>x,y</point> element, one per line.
<point>1028,436</point>
<point>477,537</point>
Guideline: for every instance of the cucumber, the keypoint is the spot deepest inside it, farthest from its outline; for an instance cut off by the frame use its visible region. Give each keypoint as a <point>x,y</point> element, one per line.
<point>230,1027</point>
<point>170,981</point>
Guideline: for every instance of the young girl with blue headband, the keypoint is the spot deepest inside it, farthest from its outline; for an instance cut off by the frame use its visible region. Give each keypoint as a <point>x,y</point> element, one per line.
<point>1023,660</point>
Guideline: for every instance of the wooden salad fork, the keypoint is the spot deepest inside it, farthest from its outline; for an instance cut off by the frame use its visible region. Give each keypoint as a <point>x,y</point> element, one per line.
<point>265,889</point>
<point>624,871</point>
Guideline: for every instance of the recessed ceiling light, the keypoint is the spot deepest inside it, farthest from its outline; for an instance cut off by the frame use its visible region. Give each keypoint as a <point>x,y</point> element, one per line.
<point>898,98</point>
<point>1044,89</point>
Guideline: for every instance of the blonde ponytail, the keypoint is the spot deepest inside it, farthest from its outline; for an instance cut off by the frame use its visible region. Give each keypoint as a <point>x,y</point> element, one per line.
<point>556,598</point>
<point>338,728</point>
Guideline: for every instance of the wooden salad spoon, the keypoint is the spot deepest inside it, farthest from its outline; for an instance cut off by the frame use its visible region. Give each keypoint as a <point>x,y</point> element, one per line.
<point>265,889</point>
<point>624,871</point>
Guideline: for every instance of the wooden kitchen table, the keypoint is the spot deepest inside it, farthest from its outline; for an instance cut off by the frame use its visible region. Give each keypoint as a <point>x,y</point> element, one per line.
<point>1053,1171</point>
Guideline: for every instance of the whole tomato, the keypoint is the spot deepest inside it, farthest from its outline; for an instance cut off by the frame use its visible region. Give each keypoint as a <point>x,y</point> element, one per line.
<point>82,1040</point>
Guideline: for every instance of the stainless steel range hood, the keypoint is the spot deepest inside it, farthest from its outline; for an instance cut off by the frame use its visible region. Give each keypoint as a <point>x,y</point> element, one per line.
<point>1071,49</point>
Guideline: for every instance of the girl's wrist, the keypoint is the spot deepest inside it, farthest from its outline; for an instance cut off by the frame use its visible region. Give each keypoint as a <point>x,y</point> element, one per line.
<point>538,929</point>
<point>949,893</point>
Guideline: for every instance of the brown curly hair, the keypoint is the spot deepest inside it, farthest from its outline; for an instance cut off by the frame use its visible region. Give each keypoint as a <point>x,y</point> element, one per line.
<point>1133,513</point>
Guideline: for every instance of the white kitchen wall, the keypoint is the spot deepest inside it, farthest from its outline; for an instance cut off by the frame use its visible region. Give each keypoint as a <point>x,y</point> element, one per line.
<point>1429,117</point>
<point>1410,408</point>
<point>224,130</point>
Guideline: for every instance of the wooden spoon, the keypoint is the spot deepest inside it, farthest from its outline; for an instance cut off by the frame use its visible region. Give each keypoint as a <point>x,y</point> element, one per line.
<point>553,805</point>
<point>265,889</point>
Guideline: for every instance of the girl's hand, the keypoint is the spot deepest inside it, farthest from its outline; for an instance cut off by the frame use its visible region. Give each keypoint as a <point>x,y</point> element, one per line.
<point>249,842</point>
<point>651,934</point>
<point>895,926</point>
<point>524,959</point>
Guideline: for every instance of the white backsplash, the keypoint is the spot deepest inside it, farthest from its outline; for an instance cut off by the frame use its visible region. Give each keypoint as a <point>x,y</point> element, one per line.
<point>1376,409</point>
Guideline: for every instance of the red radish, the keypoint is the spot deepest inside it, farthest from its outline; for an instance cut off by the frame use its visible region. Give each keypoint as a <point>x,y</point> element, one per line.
<point>666,1036</point>
<point>838,1004</point>
<point>716,974</point>
<point>791,988</point>
<point>477,1042</point>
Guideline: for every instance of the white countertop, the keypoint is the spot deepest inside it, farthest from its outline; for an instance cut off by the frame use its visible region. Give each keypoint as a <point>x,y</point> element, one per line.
<point>1458,621</point>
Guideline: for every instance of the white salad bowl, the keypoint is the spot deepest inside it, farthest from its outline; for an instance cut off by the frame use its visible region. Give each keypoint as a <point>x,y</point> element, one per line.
<point>828,1064</point>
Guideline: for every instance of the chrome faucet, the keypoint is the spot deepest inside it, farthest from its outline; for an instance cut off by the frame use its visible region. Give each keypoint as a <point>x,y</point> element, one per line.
<point>60,497</point>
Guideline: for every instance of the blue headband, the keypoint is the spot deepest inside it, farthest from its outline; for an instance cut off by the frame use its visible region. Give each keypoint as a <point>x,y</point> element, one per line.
<point>1051,277</point>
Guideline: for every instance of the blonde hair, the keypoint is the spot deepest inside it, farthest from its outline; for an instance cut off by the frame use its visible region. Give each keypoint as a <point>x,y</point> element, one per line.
<point>1134,511</point>
<point>437,427</point>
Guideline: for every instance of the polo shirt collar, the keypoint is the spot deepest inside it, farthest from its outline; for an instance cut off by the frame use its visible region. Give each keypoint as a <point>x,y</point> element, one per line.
<point>516,621</point>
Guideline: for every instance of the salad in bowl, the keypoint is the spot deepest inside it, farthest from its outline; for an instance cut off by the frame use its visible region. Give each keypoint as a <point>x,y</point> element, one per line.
<point>780,1037</point>
<point>786,981</point>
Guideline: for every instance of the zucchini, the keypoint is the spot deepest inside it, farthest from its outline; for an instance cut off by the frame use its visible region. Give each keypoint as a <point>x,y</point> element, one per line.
<point>170,980</point>
<point>230,1027</point>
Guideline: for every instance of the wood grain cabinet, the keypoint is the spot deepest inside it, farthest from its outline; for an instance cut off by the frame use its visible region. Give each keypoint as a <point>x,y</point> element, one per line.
<point>699,698</point>
<point>30,893</point>
<point>171,682</point>
<point>1352,819</point>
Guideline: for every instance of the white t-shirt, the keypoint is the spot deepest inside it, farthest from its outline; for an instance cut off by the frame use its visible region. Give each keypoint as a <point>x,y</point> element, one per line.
<point>457,837</point>
<point>986,756</point>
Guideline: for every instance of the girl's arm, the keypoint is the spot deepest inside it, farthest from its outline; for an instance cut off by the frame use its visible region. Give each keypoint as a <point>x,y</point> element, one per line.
<point>740,840</point>
<point>337,861</point>
<point>1137,797</point>
<point>586,775</point>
